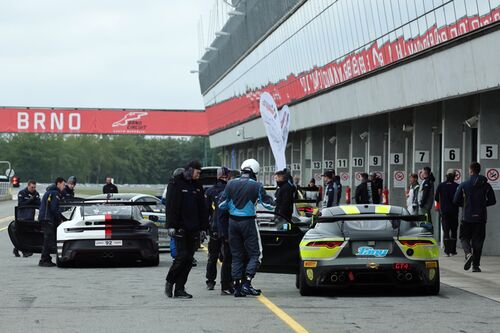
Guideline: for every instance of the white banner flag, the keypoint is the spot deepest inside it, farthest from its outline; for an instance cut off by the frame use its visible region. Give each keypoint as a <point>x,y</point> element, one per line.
<point>285,124</point>
<point>271,118</point>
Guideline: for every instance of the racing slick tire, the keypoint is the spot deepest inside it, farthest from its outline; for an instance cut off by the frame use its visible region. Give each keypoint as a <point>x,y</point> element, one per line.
<point>62,264</point>
<point>434,288</point>
<point>152,262</point>
<point>304,289</point>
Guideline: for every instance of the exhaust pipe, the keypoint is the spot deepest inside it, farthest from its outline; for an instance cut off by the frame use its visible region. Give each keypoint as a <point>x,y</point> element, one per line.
<point>334,278</point>
<point>408,276</point>
<point>400,276</point>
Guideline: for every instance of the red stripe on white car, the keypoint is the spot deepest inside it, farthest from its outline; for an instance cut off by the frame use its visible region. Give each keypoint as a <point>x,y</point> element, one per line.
<point>107,227</point>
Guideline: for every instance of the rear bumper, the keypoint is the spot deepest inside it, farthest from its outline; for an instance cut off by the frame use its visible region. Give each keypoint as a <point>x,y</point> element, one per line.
<point>131,249</point>
<point>328,275</point>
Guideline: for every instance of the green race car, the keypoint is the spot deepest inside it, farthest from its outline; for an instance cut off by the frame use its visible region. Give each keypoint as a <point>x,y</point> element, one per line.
<point>354,245</point>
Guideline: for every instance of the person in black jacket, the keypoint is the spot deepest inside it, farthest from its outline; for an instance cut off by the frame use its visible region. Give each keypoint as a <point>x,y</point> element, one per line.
<point>426,194</point>
<point>333,189</point>
<point>448,212</point>
<point>27,197</point>
<point>285,194</point>
<point>217,244</point>
<point>109,187</point>
<point>175,175</point>
<point>68,192</point>
<point>186,216</point>
<point>50,216</point>
<point>378,185</point>
<point>366,192</point>
<point>474,196</point>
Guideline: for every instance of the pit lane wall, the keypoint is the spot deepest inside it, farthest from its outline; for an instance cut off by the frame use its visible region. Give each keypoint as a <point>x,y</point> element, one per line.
<point>440,109</point>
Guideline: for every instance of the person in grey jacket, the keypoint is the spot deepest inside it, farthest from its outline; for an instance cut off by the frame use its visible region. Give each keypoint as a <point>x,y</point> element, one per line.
<point>426,194</point>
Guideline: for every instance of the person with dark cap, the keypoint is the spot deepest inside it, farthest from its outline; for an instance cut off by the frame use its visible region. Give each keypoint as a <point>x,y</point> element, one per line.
<point>187,216</point>
<point>284,196</point>
<point>50,216</point>
<point>68,192</point>
<point>217,244</point>
<point>240,197</point>
<point>109,187</point>
<point>448,212</point>
<point>426,194</point>
<point>333,189</point>
<point>366,193</point>
<point>26,200</point>
<point>177,172</point>
<point>474,196</point>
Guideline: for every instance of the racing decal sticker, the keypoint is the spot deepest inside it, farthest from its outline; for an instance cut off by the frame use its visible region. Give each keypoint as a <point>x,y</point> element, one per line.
<point>310,274</point>
<point>370,251</point>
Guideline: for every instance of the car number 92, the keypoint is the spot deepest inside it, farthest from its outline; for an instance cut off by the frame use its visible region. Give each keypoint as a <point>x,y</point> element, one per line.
<point>108,242</point>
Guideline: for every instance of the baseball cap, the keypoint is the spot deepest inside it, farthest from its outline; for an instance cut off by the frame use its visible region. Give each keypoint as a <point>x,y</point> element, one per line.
<point>223,172</point>
<point>329,174</point>
<point>450,171</point>
<point>72,180</point>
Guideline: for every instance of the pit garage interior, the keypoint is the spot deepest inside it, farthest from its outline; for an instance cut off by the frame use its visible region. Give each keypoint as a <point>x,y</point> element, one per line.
<point>438,108</point>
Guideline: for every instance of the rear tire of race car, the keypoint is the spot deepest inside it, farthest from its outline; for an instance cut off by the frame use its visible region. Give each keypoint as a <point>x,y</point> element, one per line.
<point>62,264</point>
<point>152,262</point>
<point>433,289</point>
<point>304,289</point>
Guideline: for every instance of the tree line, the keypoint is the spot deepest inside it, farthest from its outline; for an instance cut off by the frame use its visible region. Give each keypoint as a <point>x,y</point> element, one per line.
<point>127,158</point>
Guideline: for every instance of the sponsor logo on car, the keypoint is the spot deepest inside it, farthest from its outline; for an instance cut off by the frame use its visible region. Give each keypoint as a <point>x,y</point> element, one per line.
<point>370,251</point>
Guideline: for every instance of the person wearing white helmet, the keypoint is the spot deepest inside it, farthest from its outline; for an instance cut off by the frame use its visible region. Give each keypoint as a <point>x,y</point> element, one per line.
<point>239,198</point>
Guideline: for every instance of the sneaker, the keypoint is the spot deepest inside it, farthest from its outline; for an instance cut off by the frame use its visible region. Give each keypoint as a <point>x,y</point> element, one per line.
<point>168,289</point>
<point>468,261</point>
<point>16,252</point>
<point>247,289</point>
<point>238,292</point>
<point>182,294</point>
<point>476,269</point>
<point>210,285</point>
<point>227,292</point>
<point>27,254</point>
<point>46,264</point>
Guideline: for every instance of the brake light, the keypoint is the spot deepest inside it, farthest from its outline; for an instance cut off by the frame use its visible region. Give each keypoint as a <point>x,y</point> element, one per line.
<point>306,209</point>
<point>328,244</point>
<point>401,266</point>
<point>414,242</point>
<point>15,180</point>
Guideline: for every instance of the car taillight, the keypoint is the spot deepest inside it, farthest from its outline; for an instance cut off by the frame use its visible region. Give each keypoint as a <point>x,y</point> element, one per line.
<point>328,244</point>
<point>401,266</point>
<point>414,242</point>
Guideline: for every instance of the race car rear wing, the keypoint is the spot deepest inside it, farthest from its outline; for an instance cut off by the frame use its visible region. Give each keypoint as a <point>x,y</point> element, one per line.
<point>395,220</point>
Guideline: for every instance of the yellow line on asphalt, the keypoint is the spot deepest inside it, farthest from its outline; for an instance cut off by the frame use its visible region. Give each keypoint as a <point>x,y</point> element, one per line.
<point>292,323</point>
<point>5,228</point>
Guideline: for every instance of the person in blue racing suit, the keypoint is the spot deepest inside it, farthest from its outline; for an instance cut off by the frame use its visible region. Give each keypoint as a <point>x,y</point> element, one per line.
<point>240,197</point>
<point>26,199</point>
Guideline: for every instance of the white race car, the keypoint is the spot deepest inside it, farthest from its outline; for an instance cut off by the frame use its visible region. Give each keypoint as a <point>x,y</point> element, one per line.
<point>153,210</point>
<point>100,230</point>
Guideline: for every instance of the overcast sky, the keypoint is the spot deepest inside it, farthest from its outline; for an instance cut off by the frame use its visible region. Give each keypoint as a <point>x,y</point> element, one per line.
<point>100,53</point>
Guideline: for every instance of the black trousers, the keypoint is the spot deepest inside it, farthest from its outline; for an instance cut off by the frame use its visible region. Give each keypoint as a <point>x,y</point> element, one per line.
<point>472,236</point>
<point>216,247</point>
<point>183,262</point>
<point>449,223</point>
<point>49,240</point>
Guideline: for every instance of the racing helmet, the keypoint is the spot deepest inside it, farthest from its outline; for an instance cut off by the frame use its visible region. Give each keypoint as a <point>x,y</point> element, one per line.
<point>250,165</point>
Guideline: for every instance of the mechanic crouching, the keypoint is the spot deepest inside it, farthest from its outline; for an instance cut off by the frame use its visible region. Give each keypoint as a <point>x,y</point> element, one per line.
<point>240,197</point>
<point>27,197</point>
<point>218,243</point>
<point>186,216</point>
<point>50,216</point>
